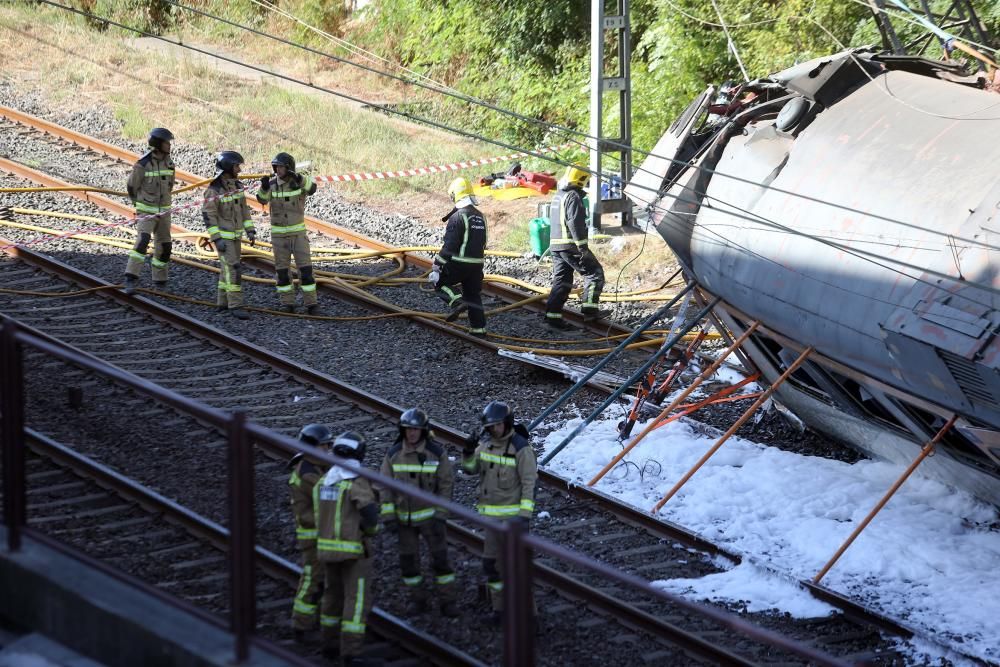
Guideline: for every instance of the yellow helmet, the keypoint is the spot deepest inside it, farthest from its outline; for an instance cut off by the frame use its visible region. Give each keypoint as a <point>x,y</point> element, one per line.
<point>576,177</point>
<point>459,189</point>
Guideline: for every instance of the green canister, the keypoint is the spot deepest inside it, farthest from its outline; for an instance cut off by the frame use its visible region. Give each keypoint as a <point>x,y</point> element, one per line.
<point>538,235</point>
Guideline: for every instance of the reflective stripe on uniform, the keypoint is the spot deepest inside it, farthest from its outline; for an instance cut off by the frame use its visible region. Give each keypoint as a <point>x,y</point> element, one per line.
<point>444,579</point>
<point>419,515</point>
<point>288,229</point>
<point>499,510</point>
<point>158,263</point>
<point>527,504</point>
<point>248,224</point>
<point>150,208</point>
<point>283,288</point>
<point>305,533</point>
<point>213,230</point>
<point>303,606</point>
<point>137,256</point>
<point>356,625</point>
<point>308,288</point>
<point>329,621</point>
<point>343,546</point>
<point>413,581</point>
<point>388,508</point>
<point>429,466</point>
<point>502,460</point>
<point>495,586</point>
<point>161,172</point>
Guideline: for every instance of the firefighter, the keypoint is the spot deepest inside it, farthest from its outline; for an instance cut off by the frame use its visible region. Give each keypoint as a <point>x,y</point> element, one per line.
<point>571,252</point>
<point>460,260</point>
<point>150,187</point>
<point>416,458</point>
<point>304,476</point>
<point>503,458</point>
<point>346,510</point>
<point>286,193</point>
<point>227,216</point>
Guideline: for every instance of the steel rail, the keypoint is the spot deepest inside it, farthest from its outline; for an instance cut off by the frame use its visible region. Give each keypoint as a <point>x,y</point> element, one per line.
<point>376,405</point>
<point>386,625</point>
<point>505,293</point>
<point>355,297</point>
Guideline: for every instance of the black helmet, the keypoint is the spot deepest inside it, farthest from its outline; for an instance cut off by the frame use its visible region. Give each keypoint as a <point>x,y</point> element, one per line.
<point>414,418</point>
<point>158,134</point>
<point>285,160</point>
<point>226,160</point>
<point>349,445</point>
<point>497,412</point>
<point>316,435</point>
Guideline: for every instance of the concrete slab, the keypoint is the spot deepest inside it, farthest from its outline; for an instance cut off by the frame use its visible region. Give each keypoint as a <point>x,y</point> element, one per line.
<point>104,618</point>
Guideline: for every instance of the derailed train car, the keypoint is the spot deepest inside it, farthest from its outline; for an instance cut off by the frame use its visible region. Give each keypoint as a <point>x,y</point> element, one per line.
<point>864,221</point>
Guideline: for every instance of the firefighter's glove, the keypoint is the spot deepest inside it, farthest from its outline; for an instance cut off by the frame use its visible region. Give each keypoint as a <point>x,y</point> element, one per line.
<point>252,236</point>
<point>297,180</point>
<point>265,183</point>
<point>434,275</point>
<point>220,245</point>
<point>471,442</point>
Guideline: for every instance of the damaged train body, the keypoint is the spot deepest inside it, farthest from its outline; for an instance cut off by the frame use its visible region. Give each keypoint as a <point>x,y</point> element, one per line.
<point>852,204</point>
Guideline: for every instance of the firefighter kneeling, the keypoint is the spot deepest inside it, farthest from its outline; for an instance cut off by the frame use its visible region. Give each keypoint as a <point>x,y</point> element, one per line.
<point>417,459</point>
<point>346,521</point>
<point>505,462</point>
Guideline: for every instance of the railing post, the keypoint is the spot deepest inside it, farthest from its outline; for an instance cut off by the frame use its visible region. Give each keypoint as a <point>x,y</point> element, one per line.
<point>12,433</point>
<point>518,598</point>
<point>242,522</point>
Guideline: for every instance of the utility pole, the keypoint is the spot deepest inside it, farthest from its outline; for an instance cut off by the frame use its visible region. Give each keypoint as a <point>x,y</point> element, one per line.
<point>618,25</point>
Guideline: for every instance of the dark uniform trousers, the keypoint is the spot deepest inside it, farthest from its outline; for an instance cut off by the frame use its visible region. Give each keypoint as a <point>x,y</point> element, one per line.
<point>436,539</point>
<point>564,263</point>
<point>347,600</point>
<point>470,276</point>
<point>493,562</point>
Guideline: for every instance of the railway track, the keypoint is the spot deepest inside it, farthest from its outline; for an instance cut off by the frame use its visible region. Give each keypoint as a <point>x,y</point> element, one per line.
<point>137,531</point>
<point>199,366</point>
<point>95,147</point>
<point>641,528</point>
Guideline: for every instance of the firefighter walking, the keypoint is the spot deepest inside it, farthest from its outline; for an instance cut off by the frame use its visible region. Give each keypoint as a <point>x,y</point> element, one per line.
<point>150,187</point>
<point>346,512</point>
<point>285,194</point>
<point>503,458</point>
<point>417,459</point>
<point>460,260</point>
<point>227,216</point>
<point>305,475</point>
<point>571,252</point>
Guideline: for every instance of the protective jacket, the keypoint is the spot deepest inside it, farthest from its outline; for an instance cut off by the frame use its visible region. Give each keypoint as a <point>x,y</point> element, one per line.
<point>151,183</point>
<point>304,477</point>
<point>507,475</point>
<point>464,237</point>
<point>568,220</point>
<point>287,203</point>
<point>426,467</point>
<point>225,211</point>
<point>346,513</point>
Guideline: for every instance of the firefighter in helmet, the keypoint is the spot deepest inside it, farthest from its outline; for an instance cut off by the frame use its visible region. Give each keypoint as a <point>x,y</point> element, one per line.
<point>285,193</point>
<point>227,217</point>
<point>150,187</point>
<point>417,459</point>
<point>460,260</point>
<point>304,476</point>
<point>571,252</point>
<point>346,510</point>
<point>503,458</point>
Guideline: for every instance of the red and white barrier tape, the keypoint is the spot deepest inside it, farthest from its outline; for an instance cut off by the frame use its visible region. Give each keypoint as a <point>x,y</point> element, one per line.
<point>426,171</point>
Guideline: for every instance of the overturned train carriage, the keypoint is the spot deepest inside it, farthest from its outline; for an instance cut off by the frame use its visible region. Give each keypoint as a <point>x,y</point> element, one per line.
<point>867,225</point>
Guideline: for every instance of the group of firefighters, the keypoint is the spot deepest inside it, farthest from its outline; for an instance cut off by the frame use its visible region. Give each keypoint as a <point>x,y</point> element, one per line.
<point>457,273</point>
<point>337,515</point>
